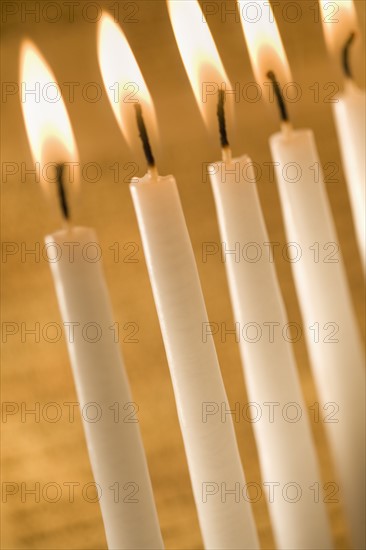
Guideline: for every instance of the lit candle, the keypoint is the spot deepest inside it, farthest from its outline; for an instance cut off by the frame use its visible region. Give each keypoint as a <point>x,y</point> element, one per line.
<point>330,325</point>
<point>211,447</point>
<point>286,450</point>
<point>114,443</point>
<point>341,31</point>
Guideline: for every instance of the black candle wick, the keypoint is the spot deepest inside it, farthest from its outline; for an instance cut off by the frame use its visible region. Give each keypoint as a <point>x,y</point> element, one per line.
<point>144,136</point>
<point>279,96</point>
<point>345,55</point>
<point>61,190</point>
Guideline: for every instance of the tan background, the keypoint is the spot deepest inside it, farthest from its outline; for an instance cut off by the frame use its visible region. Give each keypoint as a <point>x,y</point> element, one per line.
<point>40,372</point>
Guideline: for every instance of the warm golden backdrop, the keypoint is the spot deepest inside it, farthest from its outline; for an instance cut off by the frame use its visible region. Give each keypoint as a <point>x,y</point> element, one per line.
<point>39,372</point>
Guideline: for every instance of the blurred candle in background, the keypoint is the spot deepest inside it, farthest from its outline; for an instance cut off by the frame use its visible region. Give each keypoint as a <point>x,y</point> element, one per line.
<point>330,325</point>
<point>286,450</point>
<point>342,34</point>
<point>114,445</point>
<point>210,444</point>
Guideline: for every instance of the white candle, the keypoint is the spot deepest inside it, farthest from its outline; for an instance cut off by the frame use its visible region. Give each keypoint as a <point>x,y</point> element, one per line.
<point>213,458</point>
<point>286,450</point>
<point>112,434</point>
<point>329,322</point>
<point>349,113</point>
<point>212,453</point>
<point>342,35</point>
<point>108,412</point>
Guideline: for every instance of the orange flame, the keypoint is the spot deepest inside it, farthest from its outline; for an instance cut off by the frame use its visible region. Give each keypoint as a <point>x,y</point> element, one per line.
<point>200,57</point>
<point>123,80</point>
<point>339,20</point>
<point>47,123</point>
<point>264,42</point>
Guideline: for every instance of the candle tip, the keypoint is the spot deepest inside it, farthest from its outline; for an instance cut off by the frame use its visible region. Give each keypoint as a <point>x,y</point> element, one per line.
<point>144,137</point>
<point>226,155</point>
<point>279,97</point>
<point>345,55</point>
<point>222,122</point>
<point>286,128</point>
<point>61,191</point>
<point>153,172</point>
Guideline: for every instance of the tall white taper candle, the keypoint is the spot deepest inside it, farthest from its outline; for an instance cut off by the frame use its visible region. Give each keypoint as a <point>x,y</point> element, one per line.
<point>350,118</point>
<point>329,321</point>
<point>282,431</point>
<point>213,458</point>
<point>211,447</point>
<point>112,434</point>
<point>115,447</point>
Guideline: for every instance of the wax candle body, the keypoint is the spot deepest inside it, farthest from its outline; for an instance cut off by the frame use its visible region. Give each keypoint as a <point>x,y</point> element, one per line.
<point>349,114</point>
<point>211,448</point>
<point>329,322</point>
<point>286,450</point>
<point>112,434</point>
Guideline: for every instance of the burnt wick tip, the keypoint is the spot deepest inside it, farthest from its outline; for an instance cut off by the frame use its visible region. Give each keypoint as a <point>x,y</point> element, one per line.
<point>279,97</point>
<point>345,55</point>
<point>61,190</point>
<point>144,136</point>
<point>221,118</point>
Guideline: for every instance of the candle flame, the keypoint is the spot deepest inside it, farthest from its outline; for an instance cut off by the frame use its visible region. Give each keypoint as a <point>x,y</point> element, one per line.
<point>339,21</point>
<point>46,120</point>
<point>264,43</point>
<point>200,57</point>
<point>123,80</point>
